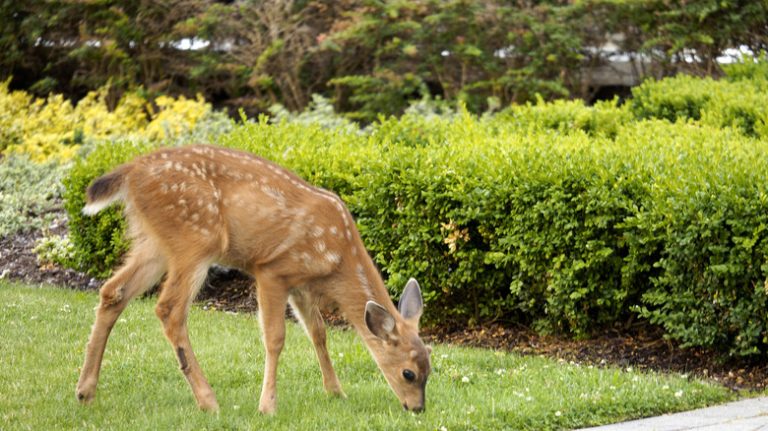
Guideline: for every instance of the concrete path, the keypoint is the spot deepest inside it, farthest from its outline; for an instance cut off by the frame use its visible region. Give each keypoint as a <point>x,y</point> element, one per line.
<point>745,415</point>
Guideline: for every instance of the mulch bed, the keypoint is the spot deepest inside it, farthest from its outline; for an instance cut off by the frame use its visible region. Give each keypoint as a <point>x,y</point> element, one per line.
<point>641,347</point>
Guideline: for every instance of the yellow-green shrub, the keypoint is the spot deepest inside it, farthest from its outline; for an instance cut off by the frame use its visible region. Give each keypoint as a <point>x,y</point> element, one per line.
<point>604,118</point>
<point>95,121</point>
<point>13,108</point>
<point>53,129</point>
<point>741,104</point>
<point>174,117</point>
<point>40,128</point>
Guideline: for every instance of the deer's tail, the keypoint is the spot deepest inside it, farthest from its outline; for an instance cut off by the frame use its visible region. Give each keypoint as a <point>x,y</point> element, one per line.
<point>106,190</point>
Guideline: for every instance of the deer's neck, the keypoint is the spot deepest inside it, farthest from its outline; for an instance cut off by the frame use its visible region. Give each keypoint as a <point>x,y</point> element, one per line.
<point>363,284</point>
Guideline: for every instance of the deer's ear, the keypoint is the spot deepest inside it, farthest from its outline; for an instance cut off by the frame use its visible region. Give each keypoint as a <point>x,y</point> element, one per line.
<point>379,321</point>
<point>411,303</point>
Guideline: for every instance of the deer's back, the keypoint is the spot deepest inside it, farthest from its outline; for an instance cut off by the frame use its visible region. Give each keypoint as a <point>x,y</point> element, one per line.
<point>238,209</point>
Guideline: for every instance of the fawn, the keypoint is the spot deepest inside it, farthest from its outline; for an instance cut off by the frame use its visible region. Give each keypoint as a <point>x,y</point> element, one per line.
<point>190,207</point>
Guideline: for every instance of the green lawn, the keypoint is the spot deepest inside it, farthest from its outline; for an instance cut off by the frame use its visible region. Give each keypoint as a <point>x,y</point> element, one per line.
<point>44,332</point>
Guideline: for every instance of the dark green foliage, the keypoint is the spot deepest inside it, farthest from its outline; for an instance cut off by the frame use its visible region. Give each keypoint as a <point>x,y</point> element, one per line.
<point>370,57</point>
<point>457,50</point>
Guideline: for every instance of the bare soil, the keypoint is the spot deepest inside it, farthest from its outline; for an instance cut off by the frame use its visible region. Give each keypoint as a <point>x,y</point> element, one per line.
<point>641,347</point>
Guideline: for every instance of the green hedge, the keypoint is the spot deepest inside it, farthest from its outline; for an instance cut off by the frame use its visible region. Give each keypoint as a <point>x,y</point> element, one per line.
<point>99,241</point>
<point>561,216</point>
<point>741,103</point>
<point>700,237</point>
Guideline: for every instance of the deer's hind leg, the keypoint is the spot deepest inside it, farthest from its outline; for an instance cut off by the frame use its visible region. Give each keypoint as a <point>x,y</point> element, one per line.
<point>309,315</point>
<point>178,291</point>
<point>143,268</point>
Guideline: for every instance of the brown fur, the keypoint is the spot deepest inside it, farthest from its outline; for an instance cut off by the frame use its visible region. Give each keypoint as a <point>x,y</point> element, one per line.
<point>190,207</point>
<point>105,186</point>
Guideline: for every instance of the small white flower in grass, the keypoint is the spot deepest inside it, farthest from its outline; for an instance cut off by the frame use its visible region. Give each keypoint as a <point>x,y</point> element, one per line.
<point>443,428</point>
<point>443,356</point>
<point>679,394</point>
<point>500,371</point>
<point>629,369</point>
<point>635,379</point>
<point>558,413</point>
<point>465,379</point>
<point>236,407</point>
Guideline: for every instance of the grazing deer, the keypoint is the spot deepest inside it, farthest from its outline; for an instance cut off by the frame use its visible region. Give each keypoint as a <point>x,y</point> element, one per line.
<point>190,207</point>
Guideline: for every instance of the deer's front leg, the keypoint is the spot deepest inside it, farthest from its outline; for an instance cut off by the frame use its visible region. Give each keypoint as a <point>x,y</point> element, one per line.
<point>309,314</point>
<point>272,302</point>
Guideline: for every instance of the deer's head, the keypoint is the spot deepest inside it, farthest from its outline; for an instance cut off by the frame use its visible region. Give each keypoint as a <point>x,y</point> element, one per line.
<point>398,350</point>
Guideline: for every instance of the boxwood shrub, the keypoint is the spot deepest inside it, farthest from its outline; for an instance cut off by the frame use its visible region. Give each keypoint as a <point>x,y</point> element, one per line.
<point>591,218</point>
<point>740,103</point>
<point>99,241</point>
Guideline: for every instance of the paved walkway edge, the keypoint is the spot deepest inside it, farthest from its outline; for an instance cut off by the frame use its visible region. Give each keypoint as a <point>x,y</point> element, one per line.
<point>750,414</point>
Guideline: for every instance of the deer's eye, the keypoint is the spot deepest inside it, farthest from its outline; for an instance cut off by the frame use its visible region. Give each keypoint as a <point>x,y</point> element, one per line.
<point>409,375</point>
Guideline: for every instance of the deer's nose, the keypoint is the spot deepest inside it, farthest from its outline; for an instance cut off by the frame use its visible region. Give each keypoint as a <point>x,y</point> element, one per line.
<point>417,409</point>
